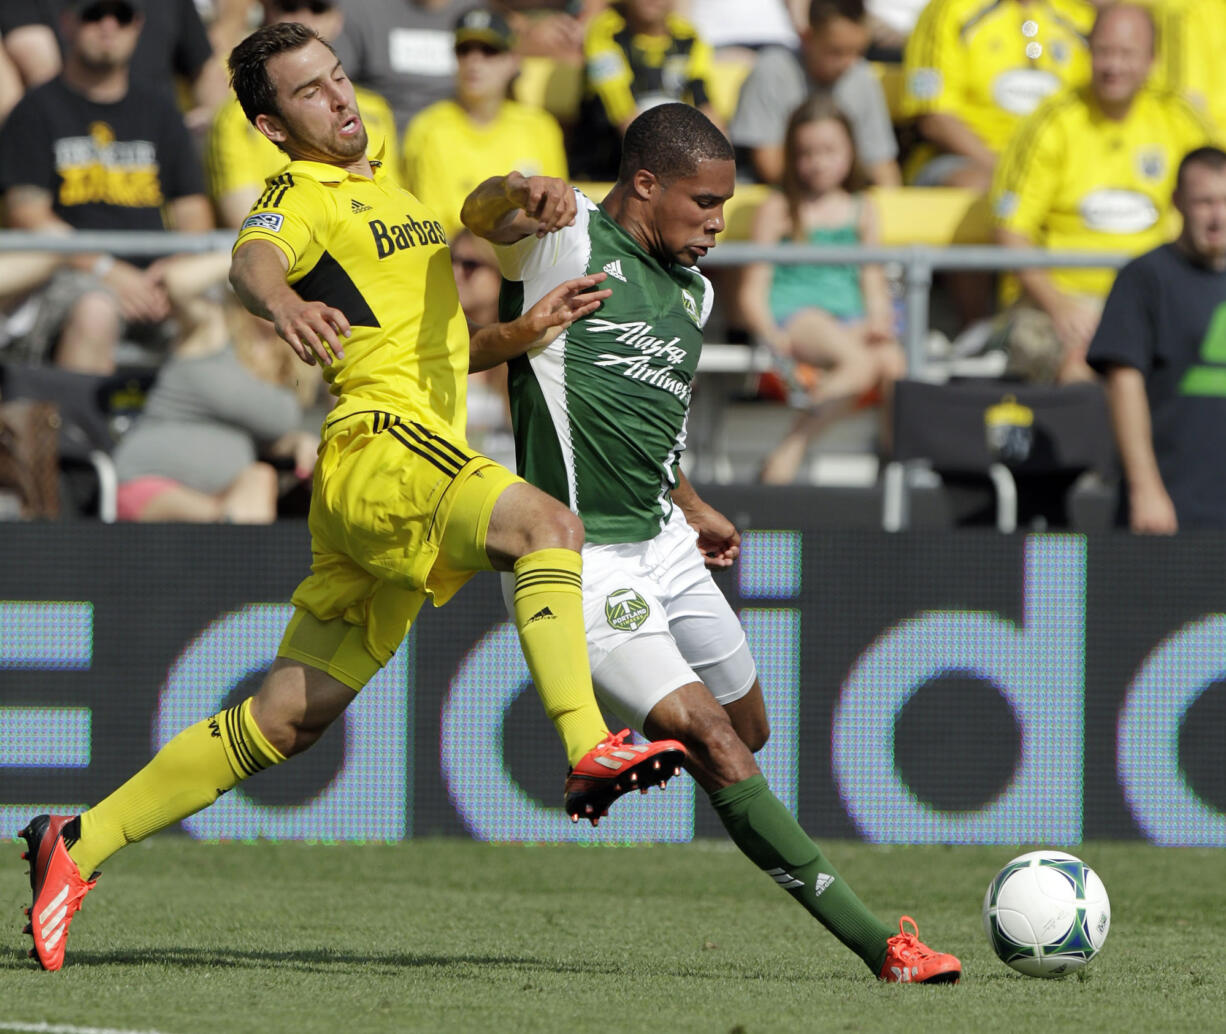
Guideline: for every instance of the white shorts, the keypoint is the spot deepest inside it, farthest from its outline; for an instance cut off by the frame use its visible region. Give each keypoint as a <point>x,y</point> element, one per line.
<point>656,621</point>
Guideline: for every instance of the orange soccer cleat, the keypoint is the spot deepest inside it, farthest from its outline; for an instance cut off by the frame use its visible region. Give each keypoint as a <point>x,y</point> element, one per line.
<point>57,887</point>
<point>909,961</point>
<point>614,767</point>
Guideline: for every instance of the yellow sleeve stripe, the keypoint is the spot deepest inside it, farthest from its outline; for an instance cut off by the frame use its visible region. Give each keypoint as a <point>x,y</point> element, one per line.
<point>264,235</point>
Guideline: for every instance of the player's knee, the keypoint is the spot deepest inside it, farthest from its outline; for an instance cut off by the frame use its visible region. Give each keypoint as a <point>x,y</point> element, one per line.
<point>555,528</point>
<point>756,736</point>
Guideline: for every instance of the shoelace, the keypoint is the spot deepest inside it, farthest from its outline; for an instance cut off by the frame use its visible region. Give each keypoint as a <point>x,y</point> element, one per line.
<point>908,943</point>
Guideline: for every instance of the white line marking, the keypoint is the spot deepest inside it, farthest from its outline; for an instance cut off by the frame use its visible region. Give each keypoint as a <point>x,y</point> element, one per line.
<point>64,1028</point>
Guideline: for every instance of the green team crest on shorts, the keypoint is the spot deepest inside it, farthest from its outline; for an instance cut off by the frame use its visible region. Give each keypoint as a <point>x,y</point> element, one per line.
<point>625,610</point>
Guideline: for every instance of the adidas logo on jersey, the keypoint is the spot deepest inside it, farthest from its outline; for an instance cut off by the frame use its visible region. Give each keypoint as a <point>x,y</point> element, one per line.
<point>614,269</point>
<point>358,206</point>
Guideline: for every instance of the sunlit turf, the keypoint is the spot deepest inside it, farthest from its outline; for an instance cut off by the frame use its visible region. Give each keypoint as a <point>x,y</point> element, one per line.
<point>455,936</point>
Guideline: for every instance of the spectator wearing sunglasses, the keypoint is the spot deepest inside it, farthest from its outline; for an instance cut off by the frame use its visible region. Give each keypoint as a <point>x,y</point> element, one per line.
<point>480,132</point>
<point>98,149</point>
<point>173,48</point>
<point>239,158</point>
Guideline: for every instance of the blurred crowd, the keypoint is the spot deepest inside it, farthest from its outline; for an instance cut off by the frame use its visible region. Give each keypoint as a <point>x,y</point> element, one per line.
<point>1059,124</point>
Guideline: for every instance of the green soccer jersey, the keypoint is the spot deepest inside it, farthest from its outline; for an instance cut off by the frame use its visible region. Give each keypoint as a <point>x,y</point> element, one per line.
<point>600,413</point>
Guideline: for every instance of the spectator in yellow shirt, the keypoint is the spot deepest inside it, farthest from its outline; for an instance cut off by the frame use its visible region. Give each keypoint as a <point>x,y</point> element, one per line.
<point>637,54</point>
<point>975,68</point>
<point>1191,45</point>
<point>455,144</point>
<point>1092,170</point>
<point>239,158</point>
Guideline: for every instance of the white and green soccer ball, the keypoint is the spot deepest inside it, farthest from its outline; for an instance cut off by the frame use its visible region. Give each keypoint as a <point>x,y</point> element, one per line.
<point>1046,914</point>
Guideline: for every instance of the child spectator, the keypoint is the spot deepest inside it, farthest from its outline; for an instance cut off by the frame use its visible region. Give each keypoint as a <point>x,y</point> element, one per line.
<point>836,317</point>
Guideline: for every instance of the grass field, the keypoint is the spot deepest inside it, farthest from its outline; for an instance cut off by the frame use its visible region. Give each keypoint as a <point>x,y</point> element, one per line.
<point>455,936</point>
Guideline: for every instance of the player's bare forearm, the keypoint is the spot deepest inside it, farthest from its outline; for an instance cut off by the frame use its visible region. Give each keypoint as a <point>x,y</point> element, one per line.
<point>569,301</point>
<point>718,540</point>
<point>506,209</point>
<point>312,329</point>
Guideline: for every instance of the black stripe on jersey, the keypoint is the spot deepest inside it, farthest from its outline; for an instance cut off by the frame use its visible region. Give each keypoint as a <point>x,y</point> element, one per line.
<point>398,433</point>
<point>1018,154</point>
<point>242,752</point>
<point>328,282</point>
<point>422,435</point>
<point>976,18</point>
<point>274,191</point>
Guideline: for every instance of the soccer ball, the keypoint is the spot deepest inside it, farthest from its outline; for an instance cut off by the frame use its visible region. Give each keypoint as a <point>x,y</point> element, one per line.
<point>1046,914</point>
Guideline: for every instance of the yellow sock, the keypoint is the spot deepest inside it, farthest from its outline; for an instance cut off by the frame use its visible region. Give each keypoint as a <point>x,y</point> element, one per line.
<point>549,616</point>
<point>188,774</point>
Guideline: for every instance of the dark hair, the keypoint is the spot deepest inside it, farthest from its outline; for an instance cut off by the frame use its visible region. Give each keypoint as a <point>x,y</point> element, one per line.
<point>822,12</point>
<point>817,107</point>
<point>670,140</point>
<point>1212,158</point>
<point>249,64</point>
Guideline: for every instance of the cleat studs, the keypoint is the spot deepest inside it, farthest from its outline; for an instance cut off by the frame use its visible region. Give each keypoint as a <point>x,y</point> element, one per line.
<point>663,784</point>
<point>30,954</point>
<point>25,856</point>
<point>28,928</point>
<point>655,764</point>
<point>642,789</point>
<point>25,910</point>
<point>575,817</point>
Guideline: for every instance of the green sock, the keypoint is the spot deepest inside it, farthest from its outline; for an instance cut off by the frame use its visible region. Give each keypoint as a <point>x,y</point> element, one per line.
<point>772,839</point>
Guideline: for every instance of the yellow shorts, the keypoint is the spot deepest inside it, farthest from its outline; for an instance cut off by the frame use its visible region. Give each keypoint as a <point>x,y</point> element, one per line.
<point>399,514</point>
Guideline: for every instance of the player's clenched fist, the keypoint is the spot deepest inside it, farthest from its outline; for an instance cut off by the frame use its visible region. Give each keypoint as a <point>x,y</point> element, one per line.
<point>550,201</point>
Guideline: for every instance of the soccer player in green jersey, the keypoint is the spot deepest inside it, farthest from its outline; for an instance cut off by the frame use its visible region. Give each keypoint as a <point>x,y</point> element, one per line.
<point>599,412</point>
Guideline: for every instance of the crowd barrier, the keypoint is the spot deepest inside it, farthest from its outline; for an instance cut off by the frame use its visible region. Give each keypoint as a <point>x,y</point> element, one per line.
<point>966,688</point>
<point>917,263</point>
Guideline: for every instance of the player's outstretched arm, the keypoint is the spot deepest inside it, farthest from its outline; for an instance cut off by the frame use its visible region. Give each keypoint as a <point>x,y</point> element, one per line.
<point>312,329</point>
<point>569,301</point>
<point>505,209</point>
<point>718,540</point>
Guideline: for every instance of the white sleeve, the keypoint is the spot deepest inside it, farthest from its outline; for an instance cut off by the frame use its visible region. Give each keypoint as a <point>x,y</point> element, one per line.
<point>550,259</point>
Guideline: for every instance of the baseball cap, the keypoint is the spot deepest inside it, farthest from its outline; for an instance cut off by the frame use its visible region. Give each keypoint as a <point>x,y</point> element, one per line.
<point>483,27</point>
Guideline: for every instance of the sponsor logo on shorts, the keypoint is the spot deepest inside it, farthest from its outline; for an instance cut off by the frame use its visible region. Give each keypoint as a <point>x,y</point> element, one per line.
<point>264,221</point>
<point>625,610</point>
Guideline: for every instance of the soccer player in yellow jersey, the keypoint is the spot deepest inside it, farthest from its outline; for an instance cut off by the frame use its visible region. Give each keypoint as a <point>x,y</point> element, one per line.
<point>239,158</point>
<point>354,272</point>
<point>1093,170</point>
<point>455,144</point>
<point>976,68</point>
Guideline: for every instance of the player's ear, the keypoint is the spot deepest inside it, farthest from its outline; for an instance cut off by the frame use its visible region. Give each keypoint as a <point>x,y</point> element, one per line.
<point>272,128</point>
<point>645,184</point>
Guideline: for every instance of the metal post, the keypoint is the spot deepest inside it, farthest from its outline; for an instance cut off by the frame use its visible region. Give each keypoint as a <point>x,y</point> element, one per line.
<point>917,287</point>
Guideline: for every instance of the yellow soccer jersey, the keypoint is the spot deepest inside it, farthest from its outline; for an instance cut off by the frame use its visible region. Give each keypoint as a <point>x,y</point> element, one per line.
<point>992,62</point>
<point>446,154</point>
<point>369,248</point>
<point>629,72</point>
<point>1074,179</point>
<point>1191,49</point>
<point>239,156</point>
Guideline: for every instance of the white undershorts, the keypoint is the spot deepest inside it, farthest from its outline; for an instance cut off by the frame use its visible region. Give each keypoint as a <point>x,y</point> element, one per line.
<point>656,621</point>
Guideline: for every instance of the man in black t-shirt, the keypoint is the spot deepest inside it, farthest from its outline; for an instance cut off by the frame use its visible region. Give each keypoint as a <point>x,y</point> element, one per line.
<point>1162,346</point>
<point>97,149</point>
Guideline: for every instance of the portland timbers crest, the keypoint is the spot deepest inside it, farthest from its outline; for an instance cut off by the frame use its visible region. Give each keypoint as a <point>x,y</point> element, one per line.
<point>625,610</point>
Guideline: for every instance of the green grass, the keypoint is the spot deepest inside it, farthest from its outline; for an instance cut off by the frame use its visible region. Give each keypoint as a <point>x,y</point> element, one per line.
<point>453,936</point>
